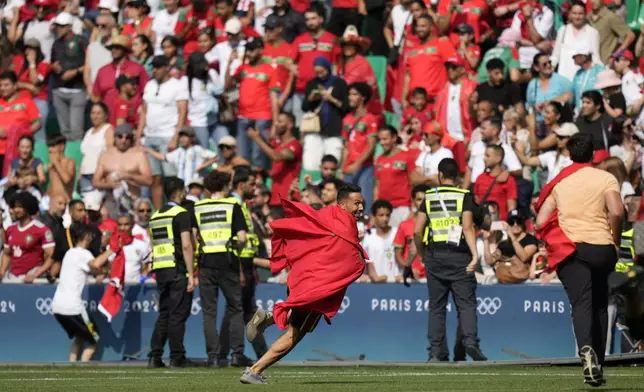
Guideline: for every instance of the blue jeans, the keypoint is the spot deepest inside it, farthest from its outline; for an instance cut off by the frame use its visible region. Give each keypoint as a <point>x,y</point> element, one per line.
<point>211,132</point>
<point>43,108</point>
<point>363,177</point>
<point>247,148</point>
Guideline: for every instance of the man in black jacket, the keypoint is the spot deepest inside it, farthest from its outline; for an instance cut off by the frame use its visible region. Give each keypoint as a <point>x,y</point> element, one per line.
<point>291,21</point>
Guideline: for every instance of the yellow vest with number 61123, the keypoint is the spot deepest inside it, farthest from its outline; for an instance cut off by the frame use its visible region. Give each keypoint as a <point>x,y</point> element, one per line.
<point>442,215</point>
<point>162,236</point>
<point>214,220</point>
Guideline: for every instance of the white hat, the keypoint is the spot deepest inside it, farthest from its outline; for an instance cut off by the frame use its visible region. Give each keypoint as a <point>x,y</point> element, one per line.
<point>233,26</point>
<point>581,48</point>
<point>93,200</point>
<point>565,130</point>
<point>111,5</point>
<point>228,141</point>
<point>64,19</point>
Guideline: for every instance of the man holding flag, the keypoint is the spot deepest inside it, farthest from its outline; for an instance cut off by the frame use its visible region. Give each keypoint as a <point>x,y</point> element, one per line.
<point>580,215</point>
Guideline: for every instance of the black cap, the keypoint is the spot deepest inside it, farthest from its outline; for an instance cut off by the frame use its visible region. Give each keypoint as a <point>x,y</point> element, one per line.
<point>515,216</point>
<point>122,80</point>
<point>160,61</point>
<point>464,29</point>
<point>254,43</point>
<point>272,22</point>
<point>137,3</point>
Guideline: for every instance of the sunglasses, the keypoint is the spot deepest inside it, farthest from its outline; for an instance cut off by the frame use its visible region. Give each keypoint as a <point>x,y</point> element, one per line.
<point>546,63</point>
<point>145,211</point>
<point>102,26</point>
<point>514,222</point>
<point>223,146</point>
<point>123,136</point>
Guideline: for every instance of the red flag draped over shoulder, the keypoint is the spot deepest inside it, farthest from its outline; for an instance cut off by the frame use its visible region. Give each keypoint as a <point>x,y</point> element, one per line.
<point>113,295</point>
<point>558,245</point>
<point>324,255</point>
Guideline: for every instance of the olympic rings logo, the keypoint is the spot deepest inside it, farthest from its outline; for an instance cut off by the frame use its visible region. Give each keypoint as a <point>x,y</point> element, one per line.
<point>346,302</point>
<point>43,305</point>
<point>488,306</point>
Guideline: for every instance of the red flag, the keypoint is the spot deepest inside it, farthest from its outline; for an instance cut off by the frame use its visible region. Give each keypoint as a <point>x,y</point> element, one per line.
<point>558,245</point>
<point>113,296</point>
<point>324,255</point>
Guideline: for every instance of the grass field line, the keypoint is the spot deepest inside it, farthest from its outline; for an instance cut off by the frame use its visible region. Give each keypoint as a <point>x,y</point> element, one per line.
<point>77,379</point>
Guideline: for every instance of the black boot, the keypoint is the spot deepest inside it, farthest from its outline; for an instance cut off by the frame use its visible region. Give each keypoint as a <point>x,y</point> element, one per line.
<point>155,363</point>
<point>240,360</point>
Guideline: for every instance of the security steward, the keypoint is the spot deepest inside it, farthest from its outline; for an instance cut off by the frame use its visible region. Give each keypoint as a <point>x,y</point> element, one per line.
<point>172,262</point>
<point>626,249</point>
<point>222,229</point>
<point>445,237</point>
<point>244,189</point>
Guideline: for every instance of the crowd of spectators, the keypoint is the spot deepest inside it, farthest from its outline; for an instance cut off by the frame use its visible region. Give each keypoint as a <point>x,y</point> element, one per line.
<point>309,95</point>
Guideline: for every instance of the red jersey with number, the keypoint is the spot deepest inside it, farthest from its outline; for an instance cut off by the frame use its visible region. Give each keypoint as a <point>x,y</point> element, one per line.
<point>356,131</point>
<point>16,114</point>
<point>255,86</point>
<point>21,68</point>
<point>392,173</point>
<point>204,20</point>
<point>26,245</point>
<point>426,65</point>
<point>126,109</point>
<point>277,57</point>
<point>284,172</point>
<point>308,49</point>
<point>129,30</point>
<point>405,239</point>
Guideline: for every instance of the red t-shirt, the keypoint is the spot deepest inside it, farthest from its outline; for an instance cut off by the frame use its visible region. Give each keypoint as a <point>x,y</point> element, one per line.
<point>426,65</point>
<point>392,173</point>
<point>127,109</point>
<point>206,19</point>
<point>356,132</point>
<point>129,30</point>
<point>26,245</point>
<point>405,239</point>
<point>284,172</point>
<point>344,3</point>
<point>255,86</point>
<point>105,83</point>
<point>20,112</point>
<point>42,69</point>
<point>277,56</point>
<point>476,51</point>
<point>300,5</point>
<point>220,32</point>
<point>308,49</point>
<point>472,13</point>
<point>424,115</point>
<point>500,193</point>
<point>108,227</point>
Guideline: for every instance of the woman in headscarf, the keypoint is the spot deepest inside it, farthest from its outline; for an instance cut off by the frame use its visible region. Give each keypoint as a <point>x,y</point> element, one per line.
<point>326,95</point>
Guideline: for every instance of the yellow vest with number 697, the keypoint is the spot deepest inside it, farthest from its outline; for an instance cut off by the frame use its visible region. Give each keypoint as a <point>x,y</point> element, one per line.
<point>444,206</point>
<point>214,220</point>
<point>162,236</point>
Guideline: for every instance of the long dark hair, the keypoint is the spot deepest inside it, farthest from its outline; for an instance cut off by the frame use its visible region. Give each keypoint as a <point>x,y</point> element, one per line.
<point>149,52</point>
<point>197,69</point>
<point>564,112</point>
<point>39,58</point>
<point>617,128</point>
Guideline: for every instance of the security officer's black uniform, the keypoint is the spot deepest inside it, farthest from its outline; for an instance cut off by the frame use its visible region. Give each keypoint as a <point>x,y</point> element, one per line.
<point>175,302</point>
<point>446,262</point>
<point>218,220</point>
<point>249,304</point>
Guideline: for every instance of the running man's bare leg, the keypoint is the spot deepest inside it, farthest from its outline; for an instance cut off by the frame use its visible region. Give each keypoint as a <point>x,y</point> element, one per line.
<point>88,352</point>
<point>75,351</point>
<point>282,346</point>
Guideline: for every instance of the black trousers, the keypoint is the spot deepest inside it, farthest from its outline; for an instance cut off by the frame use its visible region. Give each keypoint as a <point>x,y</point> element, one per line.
<point>249,306</point>
<point>341,18</point>
<point>462,286</point>
<point>174,309</point>
<point>211,280</point>
<point>584,275</point>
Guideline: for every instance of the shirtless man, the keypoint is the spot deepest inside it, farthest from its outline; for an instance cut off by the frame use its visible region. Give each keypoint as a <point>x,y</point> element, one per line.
<point>62,170</point>
<point>228,150</point>
<point>122,168</point>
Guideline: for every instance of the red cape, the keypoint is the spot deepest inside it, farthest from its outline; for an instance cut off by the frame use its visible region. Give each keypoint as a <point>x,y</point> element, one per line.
<point>113,295</point>
<point>558,245</point>
<point>324,255</point>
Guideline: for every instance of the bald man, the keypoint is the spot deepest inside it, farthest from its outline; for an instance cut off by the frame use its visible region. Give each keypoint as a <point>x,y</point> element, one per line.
<point>53,219</point>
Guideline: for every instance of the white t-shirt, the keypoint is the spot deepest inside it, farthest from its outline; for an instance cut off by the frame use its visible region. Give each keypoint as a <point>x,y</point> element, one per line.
<point>221,54</point>
<point>627,190</point>
<point>136,254</point>
<point>162,114</point>
<point>381,254</point>
<point>92,146</point>
<point>477,165</point>
<point>400,18</point>
<point>187,160</point>
<point>428,161</point>
<point>75,268</point>
<point>454,124</point>
<point>142,233</point>
<point>42,31</point>
<point>162,26</point>
<point>554,164</point>
<point>201,96</point>
<point>543,22</point>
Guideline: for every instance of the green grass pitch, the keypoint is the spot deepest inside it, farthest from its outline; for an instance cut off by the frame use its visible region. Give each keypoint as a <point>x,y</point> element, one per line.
<point>327,379</point>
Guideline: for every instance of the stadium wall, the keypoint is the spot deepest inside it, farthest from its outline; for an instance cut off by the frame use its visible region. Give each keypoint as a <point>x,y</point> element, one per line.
<point>381,322</point>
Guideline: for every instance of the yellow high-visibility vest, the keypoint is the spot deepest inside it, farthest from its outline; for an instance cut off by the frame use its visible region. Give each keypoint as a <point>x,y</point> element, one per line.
<point>251,247</point>
<point>162,236</point>
<point>440,220</point>
<point>626,252</point>
<point>214,220</point>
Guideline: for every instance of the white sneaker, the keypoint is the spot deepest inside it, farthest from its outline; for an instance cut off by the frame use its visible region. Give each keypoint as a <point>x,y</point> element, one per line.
<point>248,377</point>
<point>593,374</point>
